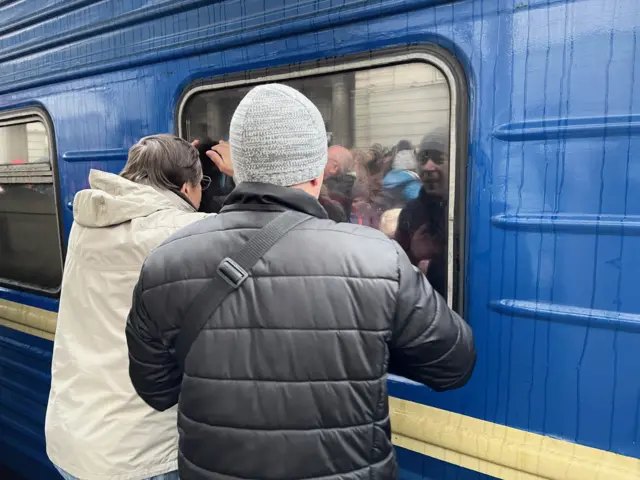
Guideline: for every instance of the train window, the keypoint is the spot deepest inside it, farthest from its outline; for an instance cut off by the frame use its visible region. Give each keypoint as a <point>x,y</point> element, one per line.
<point>389,152</point>
<point>29,234</point>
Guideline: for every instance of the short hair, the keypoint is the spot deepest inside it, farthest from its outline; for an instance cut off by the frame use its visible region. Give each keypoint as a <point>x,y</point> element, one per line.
<point>343,157</point>
<point>163,161</point>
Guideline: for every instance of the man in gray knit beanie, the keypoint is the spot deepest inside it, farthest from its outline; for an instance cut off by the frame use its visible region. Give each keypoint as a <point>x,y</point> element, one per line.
<point>286,377</point>
<point>278,137</point>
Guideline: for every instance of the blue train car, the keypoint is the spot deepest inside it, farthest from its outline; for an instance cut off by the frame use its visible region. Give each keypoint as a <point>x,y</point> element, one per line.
<point>540,104</point>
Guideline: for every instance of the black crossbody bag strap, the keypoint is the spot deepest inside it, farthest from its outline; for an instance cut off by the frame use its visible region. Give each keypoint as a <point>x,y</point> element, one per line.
<point>230,275</point>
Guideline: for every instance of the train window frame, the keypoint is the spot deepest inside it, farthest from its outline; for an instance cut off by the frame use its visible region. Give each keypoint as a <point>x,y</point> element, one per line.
<point>456,78</point>
<point>20,117</point>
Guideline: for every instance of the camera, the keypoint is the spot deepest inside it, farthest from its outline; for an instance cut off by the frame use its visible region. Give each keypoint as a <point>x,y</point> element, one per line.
<point>221,185</point>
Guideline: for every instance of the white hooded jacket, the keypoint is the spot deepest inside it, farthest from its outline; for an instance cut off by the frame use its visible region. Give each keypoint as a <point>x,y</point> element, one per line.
<point>96,425</point>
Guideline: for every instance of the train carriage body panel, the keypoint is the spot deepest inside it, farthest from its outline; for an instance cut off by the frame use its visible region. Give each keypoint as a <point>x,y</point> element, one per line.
<point>542,102</point>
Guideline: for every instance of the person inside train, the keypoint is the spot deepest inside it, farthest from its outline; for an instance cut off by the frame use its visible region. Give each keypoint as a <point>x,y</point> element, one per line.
<point>336,195</point>
<point>422,226</point>
<point>96,425</point>
<point>362,213</point>
<point>286,376</point>
<point>370,202</point>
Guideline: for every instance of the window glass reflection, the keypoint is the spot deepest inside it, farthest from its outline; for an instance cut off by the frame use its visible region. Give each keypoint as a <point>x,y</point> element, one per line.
<point>24,143</point>
<point>29,240</point>
<point>29,235</point>
<point>388,162</point>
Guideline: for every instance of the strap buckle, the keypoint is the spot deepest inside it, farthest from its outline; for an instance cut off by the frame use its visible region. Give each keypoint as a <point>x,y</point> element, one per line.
<point>232,273</point>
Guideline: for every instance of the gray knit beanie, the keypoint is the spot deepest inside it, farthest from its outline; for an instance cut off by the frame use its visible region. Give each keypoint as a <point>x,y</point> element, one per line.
<point>277,136</point>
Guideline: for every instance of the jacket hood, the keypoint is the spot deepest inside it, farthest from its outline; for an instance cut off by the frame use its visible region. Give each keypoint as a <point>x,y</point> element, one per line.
<point>405,160</point>
<point>397,177</point>
<point>113,200</point>
<point>405,181</point>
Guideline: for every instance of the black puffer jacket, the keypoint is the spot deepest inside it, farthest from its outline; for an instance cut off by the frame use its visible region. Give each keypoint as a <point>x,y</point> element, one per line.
<point>288,378</point>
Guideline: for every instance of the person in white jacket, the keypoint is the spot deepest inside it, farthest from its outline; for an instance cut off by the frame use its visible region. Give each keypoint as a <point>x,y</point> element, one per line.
<point>97,427</point>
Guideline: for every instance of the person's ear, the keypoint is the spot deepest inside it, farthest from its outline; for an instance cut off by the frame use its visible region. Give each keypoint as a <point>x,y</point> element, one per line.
<point>188,189</point>
<point>319,180</point>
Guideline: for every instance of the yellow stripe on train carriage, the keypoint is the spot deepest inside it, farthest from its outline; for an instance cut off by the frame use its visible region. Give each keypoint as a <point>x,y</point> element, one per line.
<point>31,320</point>
<point>500,451</point>
<point>486,447</point>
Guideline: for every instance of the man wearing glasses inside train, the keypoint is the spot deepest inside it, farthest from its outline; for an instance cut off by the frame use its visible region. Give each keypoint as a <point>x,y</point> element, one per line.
<point>275,327</point>
<point>422,226</point>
